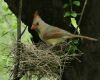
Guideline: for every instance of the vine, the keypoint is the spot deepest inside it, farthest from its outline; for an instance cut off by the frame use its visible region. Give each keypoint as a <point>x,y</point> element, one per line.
<point>73,15</point>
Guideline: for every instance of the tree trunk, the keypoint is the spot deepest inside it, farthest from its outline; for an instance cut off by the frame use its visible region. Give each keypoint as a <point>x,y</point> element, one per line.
<point>91,26</point>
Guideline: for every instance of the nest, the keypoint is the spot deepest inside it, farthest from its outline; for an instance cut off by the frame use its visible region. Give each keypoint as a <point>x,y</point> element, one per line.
<point>42,60</point>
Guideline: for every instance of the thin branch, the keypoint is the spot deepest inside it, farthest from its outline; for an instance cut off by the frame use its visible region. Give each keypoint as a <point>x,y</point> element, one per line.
<point>71,7</point>
<point>81,16</point>
<point>23,31</point>
<point>17,57</point>
<point>82,12</point>
<point>19,21</point>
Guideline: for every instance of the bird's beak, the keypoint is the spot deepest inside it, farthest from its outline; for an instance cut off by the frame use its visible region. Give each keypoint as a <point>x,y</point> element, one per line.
<point>33,27</point>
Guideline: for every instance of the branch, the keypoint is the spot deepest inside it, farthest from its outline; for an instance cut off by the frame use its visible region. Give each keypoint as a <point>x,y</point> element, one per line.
<point>23,32</point>
<point>17,55</point>
<point>82,12</point>
<point>81,16</point>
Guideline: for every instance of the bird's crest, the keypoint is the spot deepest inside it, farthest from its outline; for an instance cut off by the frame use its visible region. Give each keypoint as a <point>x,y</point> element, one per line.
<point>36,14</point>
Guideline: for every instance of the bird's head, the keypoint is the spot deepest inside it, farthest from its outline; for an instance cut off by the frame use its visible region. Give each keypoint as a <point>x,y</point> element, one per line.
<point>36,19</point>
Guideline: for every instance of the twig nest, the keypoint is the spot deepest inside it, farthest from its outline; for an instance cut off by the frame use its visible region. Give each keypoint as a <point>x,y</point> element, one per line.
<point>43,60</point>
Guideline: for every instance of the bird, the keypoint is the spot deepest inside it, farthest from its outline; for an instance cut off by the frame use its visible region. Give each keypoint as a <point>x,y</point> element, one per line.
<point>52,35</point>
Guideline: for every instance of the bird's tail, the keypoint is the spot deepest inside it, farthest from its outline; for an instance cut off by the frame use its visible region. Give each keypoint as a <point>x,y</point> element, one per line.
<point>85,37</point>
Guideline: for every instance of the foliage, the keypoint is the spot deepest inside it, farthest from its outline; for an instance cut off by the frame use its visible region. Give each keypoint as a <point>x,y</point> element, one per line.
<point>5,38</point>
<point>8,31</point>
<point>72,14</point>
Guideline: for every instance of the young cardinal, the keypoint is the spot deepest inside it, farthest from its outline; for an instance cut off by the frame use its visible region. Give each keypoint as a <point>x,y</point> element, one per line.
<point>50,34</point>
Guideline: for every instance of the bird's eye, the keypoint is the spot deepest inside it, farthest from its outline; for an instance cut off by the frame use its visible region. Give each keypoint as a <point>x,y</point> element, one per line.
<point>37,24</point>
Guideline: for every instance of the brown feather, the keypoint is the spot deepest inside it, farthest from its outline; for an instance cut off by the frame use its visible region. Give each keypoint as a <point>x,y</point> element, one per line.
<point>52,35</point>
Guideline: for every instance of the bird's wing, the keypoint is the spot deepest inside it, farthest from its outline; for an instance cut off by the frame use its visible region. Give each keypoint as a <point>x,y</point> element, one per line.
<point>55,33</point>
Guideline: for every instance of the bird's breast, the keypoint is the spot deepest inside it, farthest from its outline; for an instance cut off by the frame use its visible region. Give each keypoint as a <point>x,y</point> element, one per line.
<point>54,41</point>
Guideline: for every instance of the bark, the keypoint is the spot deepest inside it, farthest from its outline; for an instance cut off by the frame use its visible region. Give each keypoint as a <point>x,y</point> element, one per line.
<point>91,26</point>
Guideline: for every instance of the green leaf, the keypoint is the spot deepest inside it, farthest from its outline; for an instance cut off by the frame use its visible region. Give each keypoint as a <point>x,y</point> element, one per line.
<point>67,14</point>
<point>74,23</point>
<point>65,5</point>
<point>74,14</point>
<point>77,3</point>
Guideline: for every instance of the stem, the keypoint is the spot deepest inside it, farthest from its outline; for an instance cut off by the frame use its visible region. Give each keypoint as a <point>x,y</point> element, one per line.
<point>82,12</point>
<point>81,16</point>
<point>17,55</point>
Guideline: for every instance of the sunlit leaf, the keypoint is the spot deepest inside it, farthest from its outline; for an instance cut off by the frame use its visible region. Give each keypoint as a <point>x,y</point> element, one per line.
<point>74,23</point>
